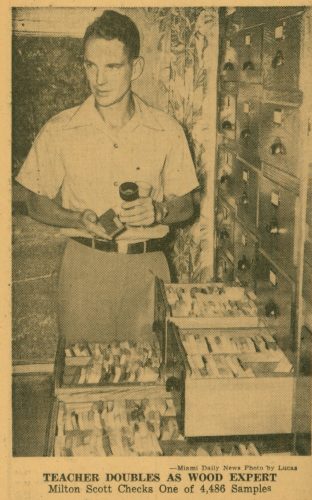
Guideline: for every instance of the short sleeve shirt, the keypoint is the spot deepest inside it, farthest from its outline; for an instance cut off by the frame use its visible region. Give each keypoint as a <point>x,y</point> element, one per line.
<point>76,152</point>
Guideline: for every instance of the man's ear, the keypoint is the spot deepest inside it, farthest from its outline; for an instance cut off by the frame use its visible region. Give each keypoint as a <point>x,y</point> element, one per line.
<point>137,68</point>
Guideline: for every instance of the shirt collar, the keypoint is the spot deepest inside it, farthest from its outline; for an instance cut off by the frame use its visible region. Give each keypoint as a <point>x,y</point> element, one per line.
<point>146,114</point>
<point>87,114</point>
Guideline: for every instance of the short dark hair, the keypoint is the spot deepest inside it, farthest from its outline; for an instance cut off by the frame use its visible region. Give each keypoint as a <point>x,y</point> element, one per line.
<point>112,25</point>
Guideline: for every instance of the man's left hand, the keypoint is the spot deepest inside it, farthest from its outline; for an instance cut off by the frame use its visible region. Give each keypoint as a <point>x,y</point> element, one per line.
<point>139,212</point>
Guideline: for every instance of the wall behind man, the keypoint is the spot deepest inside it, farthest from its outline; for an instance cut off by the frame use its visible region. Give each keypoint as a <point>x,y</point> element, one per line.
<point>180,48</point>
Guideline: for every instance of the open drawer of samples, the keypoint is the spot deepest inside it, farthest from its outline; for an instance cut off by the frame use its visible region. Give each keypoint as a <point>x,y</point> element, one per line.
<point>95,366</point>
<point>212,305</point>
<point>238,353</point>
<point>118,427</point>
<point>236,382</point>
<point>147,427</point>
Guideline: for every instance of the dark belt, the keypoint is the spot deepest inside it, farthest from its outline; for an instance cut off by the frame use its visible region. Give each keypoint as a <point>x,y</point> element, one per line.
<point>155,245</point>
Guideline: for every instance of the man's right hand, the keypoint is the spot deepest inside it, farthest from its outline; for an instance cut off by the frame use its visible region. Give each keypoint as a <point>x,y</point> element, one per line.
<point>88,221</point>
<point>43,209</point>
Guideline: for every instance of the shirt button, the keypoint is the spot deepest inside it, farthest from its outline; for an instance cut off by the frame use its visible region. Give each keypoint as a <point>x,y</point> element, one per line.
<point>116,145</point>
<point>116,183</point>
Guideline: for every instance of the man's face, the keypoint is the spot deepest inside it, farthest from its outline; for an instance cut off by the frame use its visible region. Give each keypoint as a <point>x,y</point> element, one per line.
<point>109,70</point>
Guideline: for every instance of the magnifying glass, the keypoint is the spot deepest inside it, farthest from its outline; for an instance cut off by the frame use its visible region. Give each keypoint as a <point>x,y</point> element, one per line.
<point>129,191</point>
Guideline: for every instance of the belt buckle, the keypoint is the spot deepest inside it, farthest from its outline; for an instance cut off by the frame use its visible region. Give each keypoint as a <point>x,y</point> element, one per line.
<point>122,246</point>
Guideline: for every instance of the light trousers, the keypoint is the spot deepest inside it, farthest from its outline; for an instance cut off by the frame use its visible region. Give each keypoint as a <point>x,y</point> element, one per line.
<point>107,296</point>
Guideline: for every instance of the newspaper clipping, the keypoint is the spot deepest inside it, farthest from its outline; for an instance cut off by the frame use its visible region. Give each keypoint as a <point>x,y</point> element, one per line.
<point>156,334</point>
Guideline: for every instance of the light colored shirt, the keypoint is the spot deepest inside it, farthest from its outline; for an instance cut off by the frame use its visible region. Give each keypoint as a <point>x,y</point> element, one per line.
<point>78,153</point>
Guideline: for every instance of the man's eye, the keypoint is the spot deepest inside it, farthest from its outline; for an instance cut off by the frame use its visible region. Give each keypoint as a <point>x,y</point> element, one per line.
<point>88,64</point>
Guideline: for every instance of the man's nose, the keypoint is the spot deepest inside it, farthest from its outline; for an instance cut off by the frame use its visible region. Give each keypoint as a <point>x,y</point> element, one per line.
<point>101,76</point>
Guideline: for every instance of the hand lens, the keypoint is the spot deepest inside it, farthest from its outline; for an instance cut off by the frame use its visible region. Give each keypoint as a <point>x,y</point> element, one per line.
<point>129,191</point>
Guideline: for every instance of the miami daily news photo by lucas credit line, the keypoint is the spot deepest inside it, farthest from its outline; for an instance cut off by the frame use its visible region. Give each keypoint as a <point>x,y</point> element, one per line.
<point>156,205</point>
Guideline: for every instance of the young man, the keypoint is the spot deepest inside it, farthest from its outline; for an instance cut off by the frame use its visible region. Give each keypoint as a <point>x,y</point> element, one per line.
<point>106,289</point>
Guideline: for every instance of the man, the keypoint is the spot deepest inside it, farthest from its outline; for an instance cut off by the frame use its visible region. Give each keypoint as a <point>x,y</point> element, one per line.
<point>86,152</point>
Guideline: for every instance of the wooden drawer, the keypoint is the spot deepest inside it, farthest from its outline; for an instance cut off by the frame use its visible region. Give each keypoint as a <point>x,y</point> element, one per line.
<point>252,16</point>
<point>275,299</point>
<point>229,69</point>
<point>280,129</point>
<point>249,406</point>
<point>245,246</point>
<point>253,398</point>
<point>281,53</point>
<point>227,114</point>
<point>246,194</point>
<point>224,268</point>
<point>250,54</point>
<point>277,218</point>
<point>70,385</point>
<point>97,427</point>
<point>247,125</point>
<point>207,305</point>
<point>226,173</point>
<point>225,228</point>
<point>178,446</point>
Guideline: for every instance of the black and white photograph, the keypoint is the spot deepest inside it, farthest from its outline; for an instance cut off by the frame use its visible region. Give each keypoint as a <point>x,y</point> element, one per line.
<point>162,233</point>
